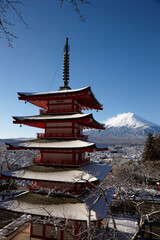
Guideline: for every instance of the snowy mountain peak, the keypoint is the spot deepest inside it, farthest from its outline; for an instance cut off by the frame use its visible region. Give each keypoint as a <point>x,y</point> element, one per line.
<point>125,128</point>
<point>129,120</point>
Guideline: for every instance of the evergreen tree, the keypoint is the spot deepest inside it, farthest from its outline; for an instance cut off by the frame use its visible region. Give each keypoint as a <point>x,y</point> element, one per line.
<point>149,153</point>
<point>157,146</point>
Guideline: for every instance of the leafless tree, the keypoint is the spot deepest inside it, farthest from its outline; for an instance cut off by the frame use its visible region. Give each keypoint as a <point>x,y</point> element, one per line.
<point>133,185</point>
<point>14,7</point>
<point>75,4</point>
<point>6,25</point>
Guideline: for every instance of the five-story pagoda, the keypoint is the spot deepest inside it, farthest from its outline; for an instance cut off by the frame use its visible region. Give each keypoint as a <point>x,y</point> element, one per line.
<point>61,180</point>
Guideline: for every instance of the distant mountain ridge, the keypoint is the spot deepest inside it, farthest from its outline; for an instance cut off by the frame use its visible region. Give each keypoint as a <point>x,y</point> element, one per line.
<point>125,128</point>
<point>4,140</point>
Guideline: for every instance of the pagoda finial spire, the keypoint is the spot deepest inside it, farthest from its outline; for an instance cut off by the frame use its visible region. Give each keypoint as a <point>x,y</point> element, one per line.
<point>66,67</point>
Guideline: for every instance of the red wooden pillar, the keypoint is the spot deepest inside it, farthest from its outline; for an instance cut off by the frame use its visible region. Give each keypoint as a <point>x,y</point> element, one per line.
<point>74,157</point>
<point>72,105</point>
<point>73,127</point>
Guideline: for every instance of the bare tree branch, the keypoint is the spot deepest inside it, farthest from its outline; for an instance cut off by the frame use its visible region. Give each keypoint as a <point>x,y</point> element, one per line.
<point>5,25</point>
<point>76,7</point>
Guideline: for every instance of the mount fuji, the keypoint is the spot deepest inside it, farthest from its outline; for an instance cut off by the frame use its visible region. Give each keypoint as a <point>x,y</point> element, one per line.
<point>125,128</point>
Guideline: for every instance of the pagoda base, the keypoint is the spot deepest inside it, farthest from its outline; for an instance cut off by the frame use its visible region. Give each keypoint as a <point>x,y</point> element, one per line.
<point>62,230</point>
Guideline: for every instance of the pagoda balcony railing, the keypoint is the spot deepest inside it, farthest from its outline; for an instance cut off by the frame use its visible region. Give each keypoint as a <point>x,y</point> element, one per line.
<point>43,135</point>
<point>61,162</point>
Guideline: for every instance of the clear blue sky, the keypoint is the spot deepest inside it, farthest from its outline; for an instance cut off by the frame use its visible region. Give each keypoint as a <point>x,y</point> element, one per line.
<point>116,52</point>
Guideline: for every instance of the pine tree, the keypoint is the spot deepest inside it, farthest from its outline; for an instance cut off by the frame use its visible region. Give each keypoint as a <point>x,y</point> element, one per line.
<point>149,153</point>
<point>157,146</point>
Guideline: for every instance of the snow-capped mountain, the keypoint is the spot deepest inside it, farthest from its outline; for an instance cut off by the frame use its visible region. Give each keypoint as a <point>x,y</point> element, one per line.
<point>129,120</point>
<point>124,128</point>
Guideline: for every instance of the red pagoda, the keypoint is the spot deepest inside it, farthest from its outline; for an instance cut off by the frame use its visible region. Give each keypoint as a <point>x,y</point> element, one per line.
<point>62,181</point>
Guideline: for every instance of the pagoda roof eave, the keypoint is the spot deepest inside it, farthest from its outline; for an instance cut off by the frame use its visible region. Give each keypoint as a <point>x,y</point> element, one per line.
<point>85,120</point>
<point>40,98</point>
<point>52,93</point>
<point>60,206</point>
<point>53,116</point>
<point>88,173</point>
<point>51,144</point>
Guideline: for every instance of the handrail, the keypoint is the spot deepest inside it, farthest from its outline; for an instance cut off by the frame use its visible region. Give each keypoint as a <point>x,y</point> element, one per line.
<point>52,135</point>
